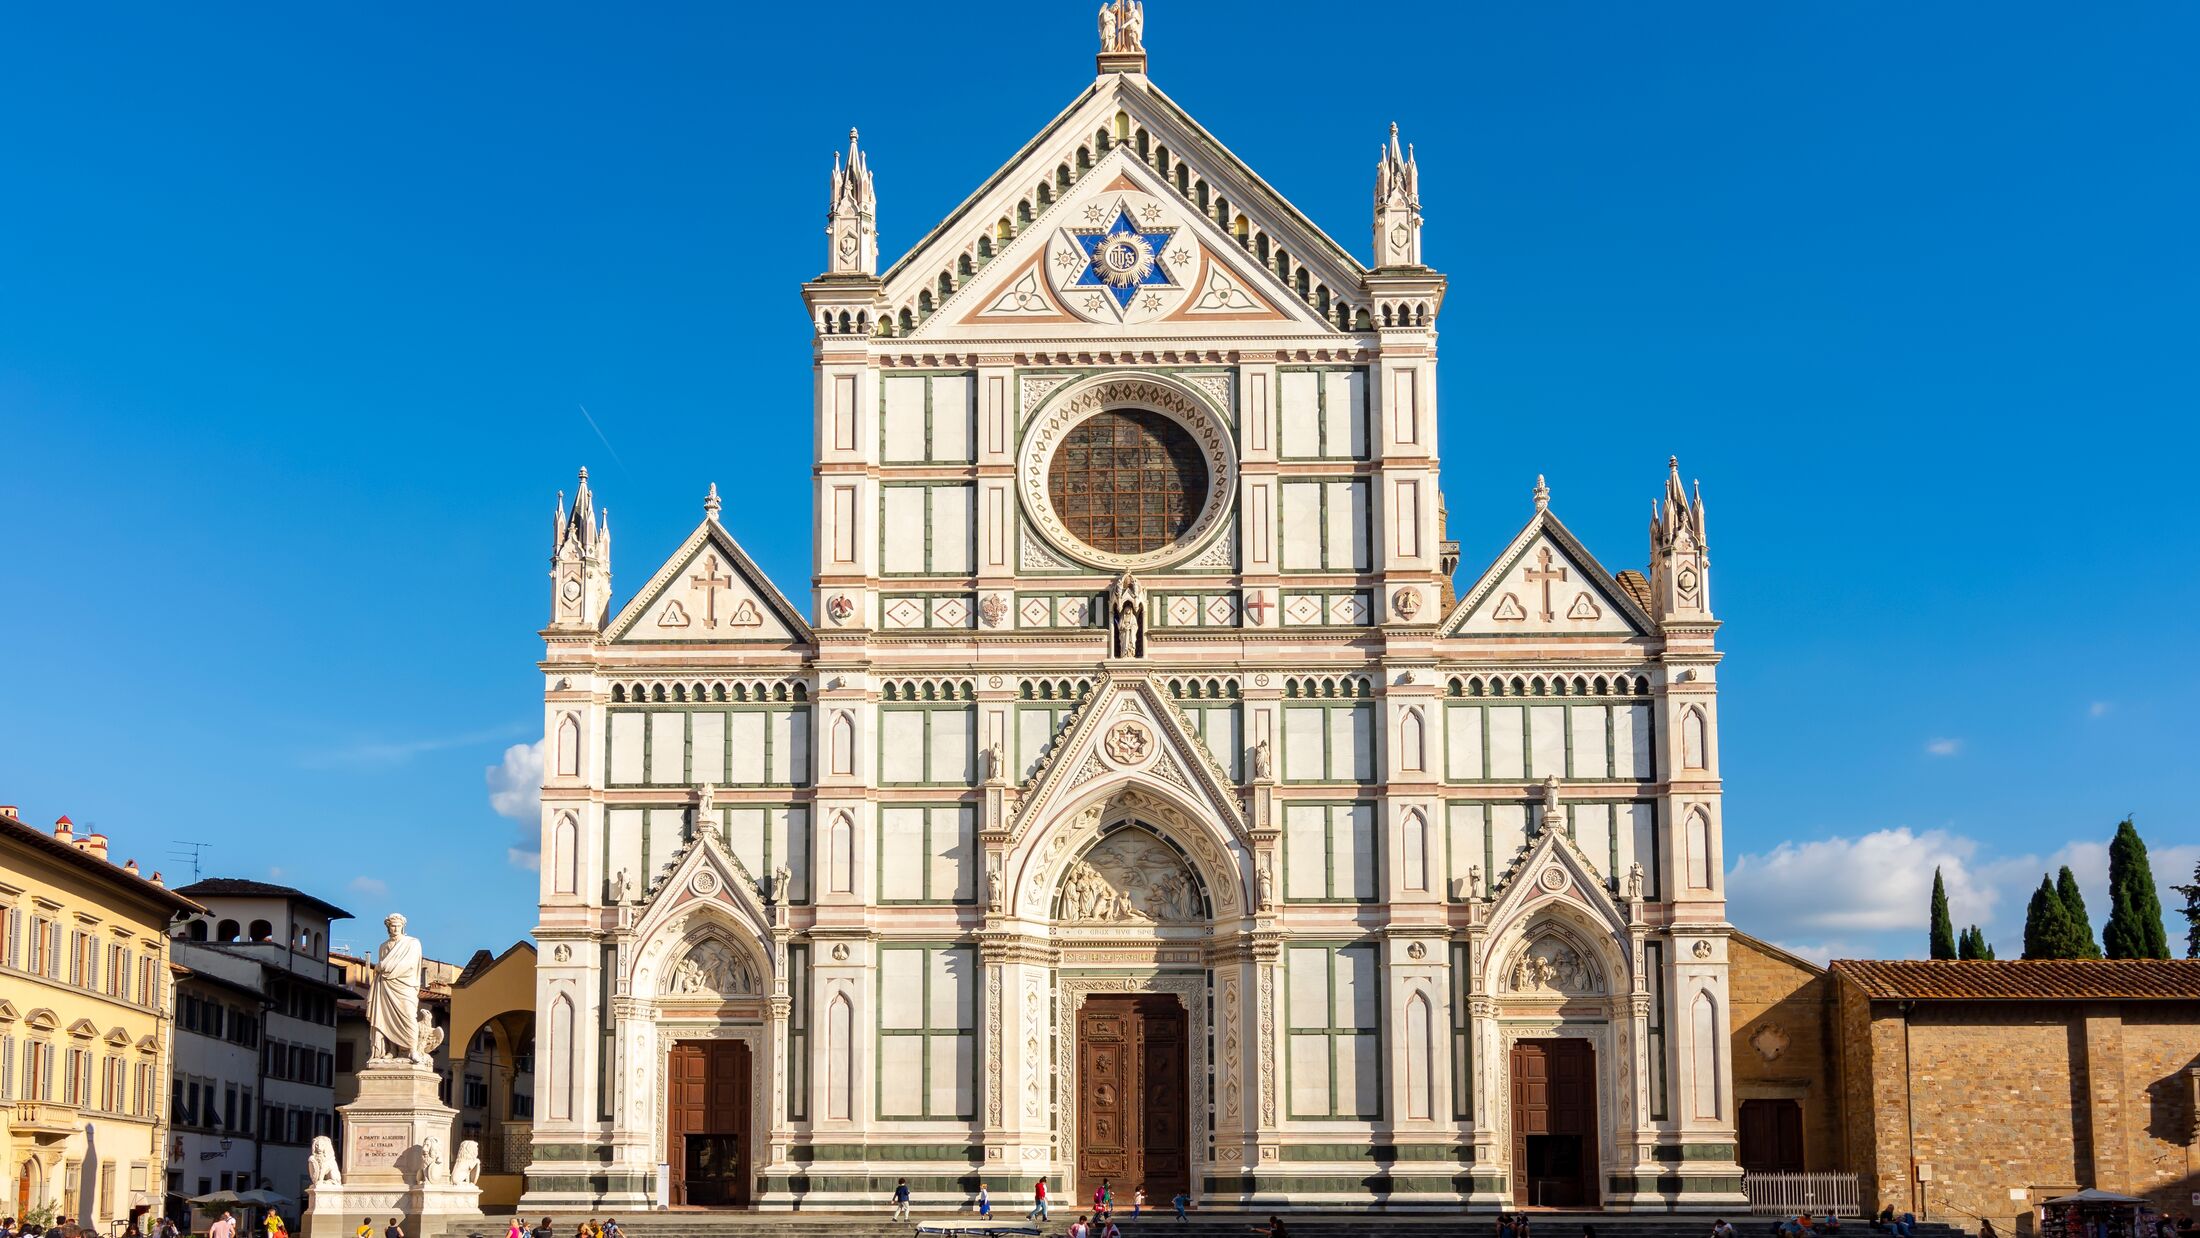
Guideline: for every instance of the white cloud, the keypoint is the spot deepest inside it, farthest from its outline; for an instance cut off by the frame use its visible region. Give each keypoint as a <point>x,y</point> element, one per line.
<point>1857,894</point>
<point>515,792</point>
<point>515,784</point>
<point>1943,747</point>
<point>2098,709</point>
<point>372,887</point>
<point>274,872</point>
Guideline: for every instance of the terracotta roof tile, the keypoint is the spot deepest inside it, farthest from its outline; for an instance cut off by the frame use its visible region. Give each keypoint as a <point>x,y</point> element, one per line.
<point>2024,980</point>
<point>1637,588</point>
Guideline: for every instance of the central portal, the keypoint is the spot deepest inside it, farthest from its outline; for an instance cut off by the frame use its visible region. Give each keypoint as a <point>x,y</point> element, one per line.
<point>707,1123</point>
<point>1554,1113</point>
<point>1132,1108</point>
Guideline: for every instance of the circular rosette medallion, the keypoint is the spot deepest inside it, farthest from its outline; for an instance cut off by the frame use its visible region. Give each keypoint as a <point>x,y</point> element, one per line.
<point>1125,257</point>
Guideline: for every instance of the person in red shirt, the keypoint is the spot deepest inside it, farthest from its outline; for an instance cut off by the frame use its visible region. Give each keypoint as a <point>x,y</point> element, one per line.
<point>1039,1200</point>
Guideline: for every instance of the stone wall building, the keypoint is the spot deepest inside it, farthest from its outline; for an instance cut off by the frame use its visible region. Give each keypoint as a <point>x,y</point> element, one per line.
<point>85,999</point>
<point>1788,1104</point>
<point>1978,1089</point>
<point>1133,798</point>
<point>256,1036</point>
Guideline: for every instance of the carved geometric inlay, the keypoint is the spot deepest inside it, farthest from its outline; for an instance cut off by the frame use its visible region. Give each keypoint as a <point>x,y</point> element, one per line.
<point>1128,743</point>
<point>1509,608</point>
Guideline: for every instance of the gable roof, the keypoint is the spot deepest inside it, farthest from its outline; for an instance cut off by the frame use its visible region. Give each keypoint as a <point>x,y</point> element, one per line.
<point>1545,524</point>
<point>1167,124</point>
<point>1073,763</point>
<point>245,887</point>
<point>712,535</point>
<point>2023,979</point>
<point>12,830</point>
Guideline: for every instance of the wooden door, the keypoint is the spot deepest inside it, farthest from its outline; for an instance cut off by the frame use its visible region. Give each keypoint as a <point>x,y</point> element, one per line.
<point>1133,1116</point>
<point>707,1123</point>
<point>1771,1136</point>
<point>1554,1154</point>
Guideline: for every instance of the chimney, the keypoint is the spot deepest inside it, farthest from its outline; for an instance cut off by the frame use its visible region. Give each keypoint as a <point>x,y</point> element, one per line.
<point>96,843</point>
<point>9,810</point>
<point>156,878</point>
<point>65,830</point>
<point>130,867</point>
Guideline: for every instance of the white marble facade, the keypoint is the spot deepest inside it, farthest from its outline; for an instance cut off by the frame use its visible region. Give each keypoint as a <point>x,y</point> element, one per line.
<point>1133,663</point>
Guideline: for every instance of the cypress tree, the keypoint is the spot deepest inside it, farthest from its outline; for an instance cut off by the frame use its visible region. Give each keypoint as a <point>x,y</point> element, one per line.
<point>2191,913</point>
<point>2081,924</point>
<point>1943,940</point>
<point>2048,933</point>
<point>2135,910</point>
<point>1972,944</point>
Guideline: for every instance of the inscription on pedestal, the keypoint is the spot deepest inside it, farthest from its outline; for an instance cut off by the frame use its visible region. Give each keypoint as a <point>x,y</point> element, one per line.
<point>377,1149</point>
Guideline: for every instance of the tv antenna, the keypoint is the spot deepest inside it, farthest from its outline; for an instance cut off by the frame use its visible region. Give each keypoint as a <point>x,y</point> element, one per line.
<point>183,851</point>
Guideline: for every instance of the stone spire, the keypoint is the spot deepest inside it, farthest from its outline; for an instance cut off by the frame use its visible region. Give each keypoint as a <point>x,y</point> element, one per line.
<point>580,562</point>
<point>1680,560</point>
<point>852,223</point>
<point>1397,206</point>
<point>710,502</point>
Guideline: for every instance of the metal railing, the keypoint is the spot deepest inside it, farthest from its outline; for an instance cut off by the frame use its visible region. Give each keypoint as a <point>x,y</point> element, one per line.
<point>1821,1194</point>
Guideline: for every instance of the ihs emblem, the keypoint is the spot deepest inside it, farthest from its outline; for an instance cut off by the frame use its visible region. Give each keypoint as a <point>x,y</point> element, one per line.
<point>1123,258</point>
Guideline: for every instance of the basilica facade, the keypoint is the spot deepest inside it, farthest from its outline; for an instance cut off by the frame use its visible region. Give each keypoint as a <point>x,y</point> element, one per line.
<point>1140,796</point>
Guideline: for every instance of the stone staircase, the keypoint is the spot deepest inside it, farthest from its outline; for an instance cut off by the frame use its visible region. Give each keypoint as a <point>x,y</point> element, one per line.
<point>875,1223</point>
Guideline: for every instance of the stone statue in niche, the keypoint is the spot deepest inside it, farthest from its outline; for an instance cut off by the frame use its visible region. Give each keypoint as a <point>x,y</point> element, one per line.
<point>1634,882</point>
<point>782,883</point>
<point>1263,763</point>
<point>618,887</point>
<point>1127,614</point>
<point>710,968</point>
<point>1131,878</point>
<point>1552,966</point>
<point>993,884</point>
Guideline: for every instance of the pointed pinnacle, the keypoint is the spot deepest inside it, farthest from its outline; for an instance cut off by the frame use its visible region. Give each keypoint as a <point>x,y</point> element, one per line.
<point>710,501</point>
<point>1542,493</point>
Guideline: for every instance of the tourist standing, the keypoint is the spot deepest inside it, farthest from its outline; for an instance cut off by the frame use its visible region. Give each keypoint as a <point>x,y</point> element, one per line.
<point>1138,1202</point>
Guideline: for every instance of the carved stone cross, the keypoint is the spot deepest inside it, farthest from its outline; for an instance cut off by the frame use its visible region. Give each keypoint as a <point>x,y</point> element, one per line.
<point>1543,573</point>
<point>710,582</point>
<point>1258,605</point>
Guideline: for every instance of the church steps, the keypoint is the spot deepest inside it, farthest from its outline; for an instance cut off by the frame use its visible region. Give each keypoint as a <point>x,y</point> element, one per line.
<point>1206,1223</point>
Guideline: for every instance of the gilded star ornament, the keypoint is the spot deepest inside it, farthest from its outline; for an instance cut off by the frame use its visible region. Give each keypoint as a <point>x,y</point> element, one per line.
<point>1123,258</point>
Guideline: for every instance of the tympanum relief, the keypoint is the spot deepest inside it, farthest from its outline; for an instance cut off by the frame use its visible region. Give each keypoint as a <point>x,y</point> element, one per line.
<point>1552,967</point>
<point>711,968</point>
<point>1130,877</point>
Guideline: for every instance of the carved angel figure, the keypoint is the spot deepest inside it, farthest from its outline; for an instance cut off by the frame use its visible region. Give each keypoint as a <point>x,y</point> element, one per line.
<point>466,1170</point>
<point>321,1169</point>
<point>1634,881</point>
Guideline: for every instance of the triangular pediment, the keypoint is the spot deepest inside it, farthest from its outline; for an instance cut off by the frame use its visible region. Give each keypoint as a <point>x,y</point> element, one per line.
<point>709,592</point>
<point>1000,264</point>
<point>8,1012</point>
<point>1546,583</point>
<point>1126,731</point>
<point>84,1029</point>
<point>704,876</point>
<point>117,1037</point>
<point>1553,871</point>
<point>1122,250</point>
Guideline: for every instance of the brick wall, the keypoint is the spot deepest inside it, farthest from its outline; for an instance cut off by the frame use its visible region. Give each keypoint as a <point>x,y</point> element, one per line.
<point>2003,1095</point>
<point>1784,1045</point>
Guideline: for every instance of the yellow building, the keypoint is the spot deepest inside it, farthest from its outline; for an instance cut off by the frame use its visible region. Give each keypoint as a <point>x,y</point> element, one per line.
<point>493,1054</point>
<point>84,1022</point>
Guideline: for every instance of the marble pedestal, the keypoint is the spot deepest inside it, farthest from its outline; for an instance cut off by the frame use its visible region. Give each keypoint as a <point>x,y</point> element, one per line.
<point>384,1165</point>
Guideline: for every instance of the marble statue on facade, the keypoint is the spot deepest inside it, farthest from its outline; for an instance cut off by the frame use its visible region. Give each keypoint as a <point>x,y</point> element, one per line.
<point>1127,611</point>
<point>321,1168</point>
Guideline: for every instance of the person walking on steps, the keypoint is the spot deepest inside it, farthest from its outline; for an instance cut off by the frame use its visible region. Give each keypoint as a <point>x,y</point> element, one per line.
<point>1138,1202</point>
<point>1039,1200</point>
<point>985,1202</point>
<point>1183,1200</point>
<point>901,1199</point>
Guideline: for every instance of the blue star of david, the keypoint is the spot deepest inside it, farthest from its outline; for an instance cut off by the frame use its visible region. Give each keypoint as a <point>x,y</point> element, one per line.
<point>1124,258</point>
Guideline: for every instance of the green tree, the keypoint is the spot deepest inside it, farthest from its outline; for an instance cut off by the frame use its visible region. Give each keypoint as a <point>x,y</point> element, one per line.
<point>2191,913</point>
<point>1972,944</point>
<point>2048,932</point>
<point>2073,901</point>
<point>1943,931</point>
<point>2134,908</point>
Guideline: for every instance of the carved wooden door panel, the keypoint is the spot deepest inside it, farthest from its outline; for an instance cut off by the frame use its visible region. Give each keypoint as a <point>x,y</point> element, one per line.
<point>1531,1110</point>
<point>1164,1143</point>
<point>1104,1094</point>
<point>1554,1143</point>
<point>1133,1113</point>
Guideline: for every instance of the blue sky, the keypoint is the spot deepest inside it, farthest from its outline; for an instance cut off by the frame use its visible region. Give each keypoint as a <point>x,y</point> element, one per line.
<point>299,306</point>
